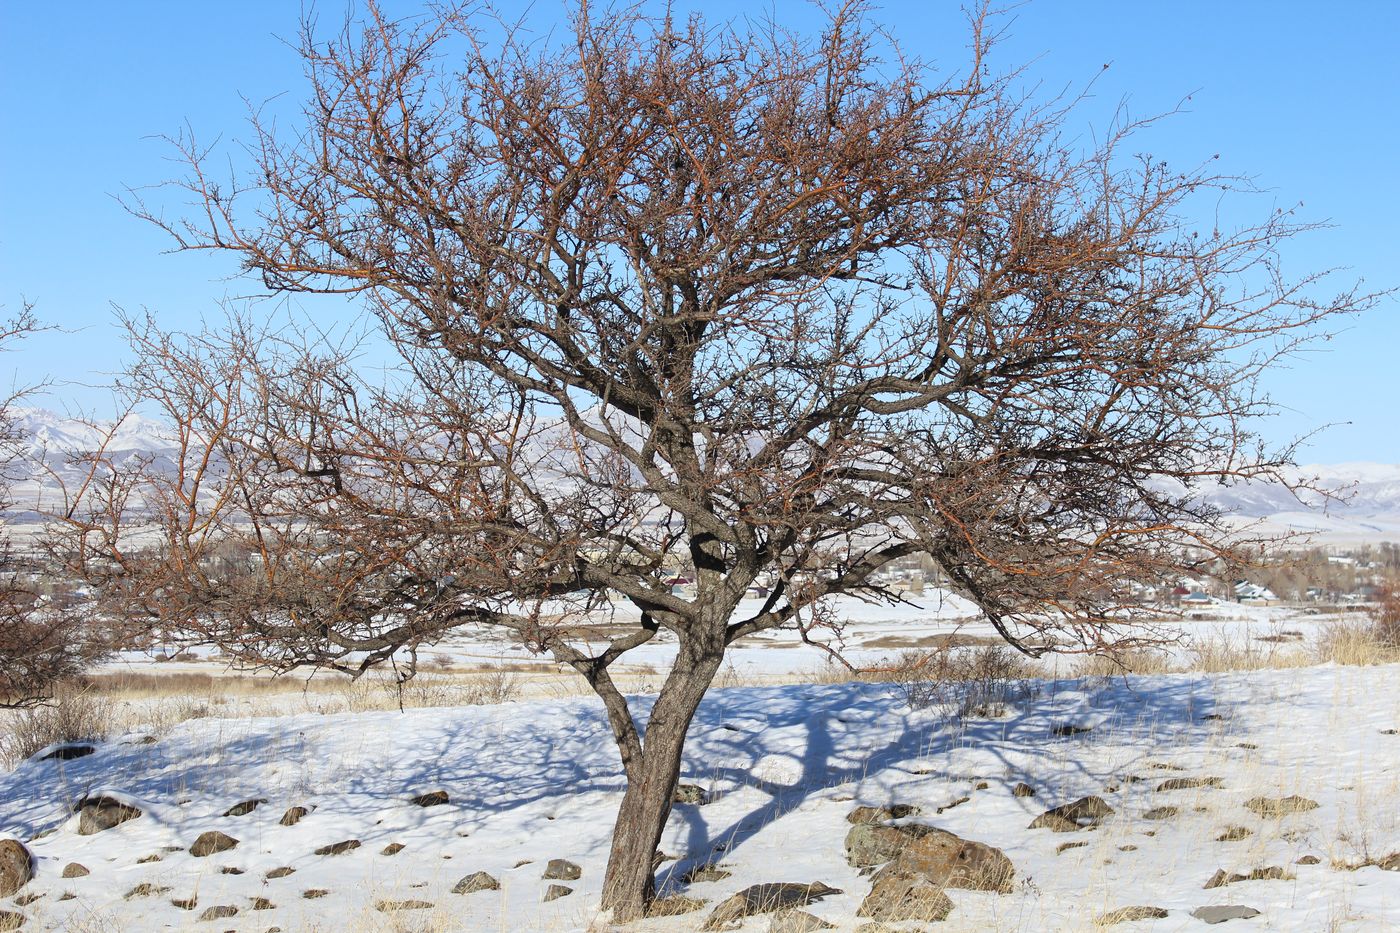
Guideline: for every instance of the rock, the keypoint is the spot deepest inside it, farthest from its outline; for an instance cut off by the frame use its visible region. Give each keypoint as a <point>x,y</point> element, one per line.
<point>703,873</point>
<point>945,860</point>
<point>1234,834</point>
<point>894,898</point>
<point>69,752</point>
<point>797,921</point>
<point>211,842</point>
<point>1070,729</point>
<point>246,807</point>
<point>1070,817</point>
<point>1272,873</point>
<point>1129,914</point>
<point>312,894</point>
<point>476,881</point>
<point>1128,848</point>
<point>1065,846</point>
<point>556,891</point>
<point>1390,863</point>
<point>1308,860</point>
<point>393,848</point>
<point>1188,783</point>
<point>1160,813</point>
<point>262,903</point>
<point>691,794</point>
<point>895,811</point>
<point>1022,789</point>
<point>75,870</point>
<point>147,859</point>
<point>96,814</point>
<point>674,905</point>
<point>11,920</point>
<point>282,872</point>
<point>385,907</point>
<point>184,903</point>
<point>16,866</point>
<point>221,912</point>
<point>339,848</point>
<point>764,899</point>
<point>560,869</point>
<point>1280,806</point>
<point>230,870</point>
<point>293,816</point>
<point>24,900</point>
<point>1223,912</point>
<point>145,889</point>
<point>869,844</point>
<point>435,798</point>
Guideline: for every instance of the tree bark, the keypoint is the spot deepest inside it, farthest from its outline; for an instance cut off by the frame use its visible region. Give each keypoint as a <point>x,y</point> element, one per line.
<point>630,883</point>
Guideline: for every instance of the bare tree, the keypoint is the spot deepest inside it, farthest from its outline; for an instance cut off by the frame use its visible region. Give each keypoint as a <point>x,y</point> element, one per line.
<point>41,643</point>
<point>771,309</point>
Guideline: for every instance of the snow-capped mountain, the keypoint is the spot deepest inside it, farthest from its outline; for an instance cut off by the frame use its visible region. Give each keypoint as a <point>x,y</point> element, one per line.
<point>1361,502</point>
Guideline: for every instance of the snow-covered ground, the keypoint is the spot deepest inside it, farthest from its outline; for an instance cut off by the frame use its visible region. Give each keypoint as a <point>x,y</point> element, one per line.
<point>531,781</point>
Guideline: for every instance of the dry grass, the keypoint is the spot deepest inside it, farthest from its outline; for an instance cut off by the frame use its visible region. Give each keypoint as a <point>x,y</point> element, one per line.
<point>74,715</point>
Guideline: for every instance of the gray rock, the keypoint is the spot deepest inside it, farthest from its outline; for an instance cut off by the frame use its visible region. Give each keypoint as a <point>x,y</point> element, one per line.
<point>1224,912</point>
<point>556,891</point>
<point>560,869</point>
<point>1081,814</point>
<point>282,872</point>
<point>16,866</point>
<point>476,881</point>
<point>1189,783</point>
<point>385,907</point>
<point>96,814</point>
<point>895,811</point>
<point>211,842</point>
<point>895,898</point>
<point>75,870</point>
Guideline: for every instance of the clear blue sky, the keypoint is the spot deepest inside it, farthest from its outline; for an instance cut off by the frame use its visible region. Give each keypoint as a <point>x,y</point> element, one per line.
<point>1304,96</point>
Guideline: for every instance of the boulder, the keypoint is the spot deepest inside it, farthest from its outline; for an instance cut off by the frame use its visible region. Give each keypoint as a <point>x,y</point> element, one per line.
<point>393,848</point>
<point>75,870</point>
<point>765,899</point>
<point>1224,912</point>
<point>96,814</point>
<point>560,869</point>
<point>210,842</point>
<point>476,881</point>
<point>556,891</point>
<point>894,898</point>
<point>16,866</point>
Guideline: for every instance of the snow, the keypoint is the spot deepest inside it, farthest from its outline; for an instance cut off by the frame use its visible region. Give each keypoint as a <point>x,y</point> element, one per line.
<point>536,780</point>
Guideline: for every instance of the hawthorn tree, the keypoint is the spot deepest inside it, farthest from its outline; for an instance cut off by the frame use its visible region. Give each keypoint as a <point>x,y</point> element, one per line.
<point>771,308</point>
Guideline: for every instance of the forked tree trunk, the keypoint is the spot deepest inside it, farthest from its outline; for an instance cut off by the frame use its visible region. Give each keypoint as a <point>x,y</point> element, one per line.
<point>630,883</point>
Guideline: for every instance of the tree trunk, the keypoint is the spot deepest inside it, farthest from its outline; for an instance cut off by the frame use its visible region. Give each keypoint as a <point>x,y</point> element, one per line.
<point>630,883</point>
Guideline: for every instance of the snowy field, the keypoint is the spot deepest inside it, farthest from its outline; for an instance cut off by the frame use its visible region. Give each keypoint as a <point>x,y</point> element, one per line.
<point>781,768</point>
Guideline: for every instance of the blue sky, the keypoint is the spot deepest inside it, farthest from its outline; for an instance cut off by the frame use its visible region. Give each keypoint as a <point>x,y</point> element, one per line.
<point>1299,95</point>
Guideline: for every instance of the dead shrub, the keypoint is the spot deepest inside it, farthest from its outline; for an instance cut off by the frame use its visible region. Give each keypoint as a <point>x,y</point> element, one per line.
<point>975,682</point>
<point>73,715</point>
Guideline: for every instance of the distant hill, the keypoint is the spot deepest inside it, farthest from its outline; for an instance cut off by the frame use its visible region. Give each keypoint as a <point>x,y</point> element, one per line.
<point>1366,507</point>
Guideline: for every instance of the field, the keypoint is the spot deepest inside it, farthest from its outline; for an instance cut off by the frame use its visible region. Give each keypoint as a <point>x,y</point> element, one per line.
<point>1252,705</point>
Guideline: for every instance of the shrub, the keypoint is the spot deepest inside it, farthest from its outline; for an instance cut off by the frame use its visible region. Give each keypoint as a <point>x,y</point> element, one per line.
<point>73,715</point>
